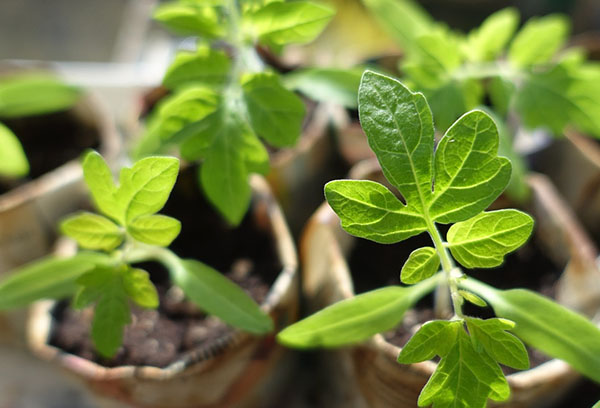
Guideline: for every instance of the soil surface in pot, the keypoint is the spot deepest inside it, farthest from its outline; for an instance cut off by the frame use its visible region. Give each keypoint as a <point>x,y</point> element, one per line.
<point>375,265</point>
<point>50,140</point>
<point>246,254</point>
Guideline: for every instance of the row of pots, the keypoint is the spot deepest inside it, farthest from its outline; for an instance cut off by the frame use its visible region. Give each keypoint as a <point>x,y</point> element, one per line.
<point>244,370</point>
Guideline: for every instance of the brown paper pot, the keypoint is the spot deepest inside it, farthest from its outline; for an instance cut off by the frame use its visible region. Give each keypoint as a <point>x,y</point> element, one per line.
<point>238,370</point>
<point>382,382</point>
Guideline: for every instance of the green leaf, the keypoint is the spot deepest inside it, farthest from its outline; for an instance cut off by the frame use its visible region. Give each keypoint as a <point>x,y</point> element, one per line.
<point>501,91</point>
<point>487,41</point>
<point>13,162</point>
<point>435,337</point>
<point>422,263</point>
<point>35,94</point>
<point>276,114</point>
<point>154,229</point>
<point>369,210</point>
<point>99,180</point>
<point>355,319</point>
<point>282,23</point>
<point>482,241</point>
<point>146,186</point>
<point>111,315</point>
<point>539,40</point>
<point>139,288</point>
<point>217,295</point>
<point>399,128</point>
<point>546,325</point>
<point>464,378</point>
<point>235,153</point>
<point>205,66</point>
<point>596,405</point>
<point>335,85</point>
<point>50,278</point>
<point>92,231</point>
<point>493,335</point>
<point>188,19</point>
<point>91,285</point>
<point>473,298</point>
<point>469,175</point>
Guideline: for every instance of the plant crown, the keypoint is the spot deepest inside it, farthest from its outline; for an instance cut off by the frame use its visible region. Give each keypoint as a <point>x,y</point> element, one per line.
<point>224,98</point>
<point>451,184</point>
<point>127,231</point>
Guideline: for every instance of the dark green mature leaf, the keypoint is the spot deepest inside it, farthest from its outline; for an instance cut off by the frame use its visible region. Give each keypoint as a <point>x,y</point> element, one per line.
<point>435,337</point>
<point>493,335</point>
<point>327,84</point>
<point>189,19</point>
<point>205,66</point>
<point>546,325</point>
<point>469,175</point>
<point>484,240</point>
<point>13,162</point>
<point>154,229</point>
<point>99,180</point>
<point>355,319</point>
<point>217,295</point>
<point>369,210</point>
<point>139,288</point>
<point>488,40</point>
<point>35,94</point>
<point>50,278</point>
<point>92,231</point>
<point>422,263</point>
<point>276,114</point>
<point>538,40</point>
<point>111,315</point>
<point>281,23</point>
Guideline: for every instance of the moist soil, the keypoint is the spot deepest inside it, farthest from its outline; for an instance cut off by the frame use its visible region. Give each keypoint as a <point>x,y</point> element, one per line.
<point>375,265</point>
<point>49,141</point>
<point>246,255</point>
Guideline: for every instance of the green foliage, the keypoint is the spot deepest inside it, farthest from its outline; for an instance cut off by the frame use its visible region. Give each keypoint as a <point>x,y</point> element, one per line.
<point>13,162</point>
<point>223,102</point>
<point>453,183</point>
<point>129,231</point>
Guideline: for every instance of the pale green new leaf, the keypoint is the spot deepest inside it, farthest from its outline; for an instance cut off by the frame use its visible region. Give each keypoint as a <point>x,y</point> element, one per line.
<point>487,41</point>
<point>504,347</point>
<point>538,40</point>
<point>146,186</point>
<point>484,240</point>
<point>596,405</point>
<point>188,19</point>
<point>276,114</point>
<point>464,378</point>
<point>435,337</point>
<point>472,298</point>
<point>111,315</point>
<point>356,319</point>
<point>327,84</point>
<point>49,278</point>
<point>99,180</point>
<point>546,325</point>
<point>139,288</point>
<point>13,162</point>
<point>469,175</point>
<point>219,296</point>
<point>92,231</point>
<point>205,66</point>
<point>154,229</point>
<point>422,263</point>
<point>35,94</point>
<point>281,23</point>
<point>369,210</point>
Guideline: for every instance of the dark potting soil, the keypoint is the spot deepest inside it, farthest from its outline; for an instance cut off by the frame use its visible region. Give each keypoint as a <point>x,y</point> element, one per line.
<point>375,265</point>
<point>246,255</point>
<point>50,140</point>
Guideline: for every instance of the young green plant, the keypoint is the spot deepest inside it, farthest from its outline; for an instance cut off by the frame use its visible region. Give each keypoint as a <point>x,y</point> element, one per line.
<point>451,184</point>
<point>127,231</point>
<point>224,97</point>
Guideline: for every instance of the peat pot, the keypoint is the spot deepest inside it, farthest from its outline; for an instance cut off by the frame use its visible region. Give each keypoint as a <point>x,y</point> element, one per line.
<point>232,368</point>
<point>329,256</point>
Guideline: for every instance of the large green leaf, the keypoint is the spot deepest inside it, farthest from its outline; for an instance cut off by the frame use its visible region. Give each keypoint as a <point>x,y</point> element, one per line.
<point>422,263</point>
<point>35,94</point>
<point>189,19</point>
<point>487,41</point>
<point>219,296</point>
<point>356,319</point>
<point>154,229</point>
<point>484,240</point>
<point>276,114</point>
<point>13,162</point>
<point>546,325</point>
<point>205,66</point>
<point>281,23</point>
<point>51,278</point>
<point>92,231</point>
<point>99,180</point>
